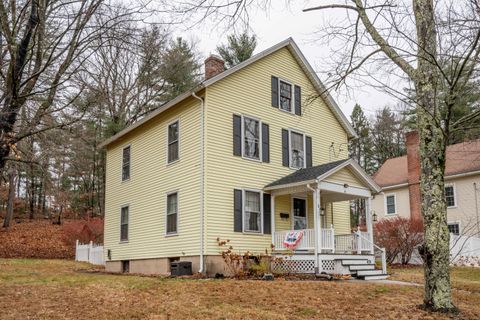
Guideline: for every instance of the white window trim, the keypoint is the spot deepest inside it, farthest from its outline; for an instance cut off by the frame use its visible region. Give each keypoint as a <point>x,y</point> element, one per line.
<point>290,148</point>
<point>172,234</point>
<point>306,209</point>
<point>260,141</point>
<point>292,111</point>
<point>394,201</point>
<point>454,195</point>
<point>129,165</point>
<point>178,140</point>
<point>261,232</point>
<point>459,226</point>
<point>128,223</point>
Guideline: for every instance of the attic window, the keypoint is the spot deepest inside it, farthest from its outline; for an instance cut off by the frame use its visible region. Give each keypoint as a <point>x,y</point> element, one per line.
<point>285,96</point>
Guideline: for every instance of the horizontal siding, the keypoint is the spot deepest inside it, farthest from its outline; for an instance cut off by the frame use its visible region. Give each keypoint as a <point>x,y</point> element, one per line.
<point>248,92</point>
<point>345,175</point>
<point>151,179</point>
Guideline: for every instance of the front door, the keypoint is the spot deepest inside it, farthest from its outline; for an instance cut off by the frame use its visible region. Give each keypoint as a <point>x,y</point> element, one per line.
<point>299,214</point>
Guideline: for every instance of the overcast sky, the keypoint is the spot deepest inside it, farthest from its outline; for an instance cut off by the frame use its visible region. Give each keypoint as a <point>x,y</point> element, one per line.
<point>278,25</point>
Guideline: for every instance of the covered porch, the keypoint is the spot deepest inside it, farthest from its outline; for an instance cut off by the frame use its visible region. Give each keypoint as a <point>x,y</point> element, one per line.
<point>316,203</point>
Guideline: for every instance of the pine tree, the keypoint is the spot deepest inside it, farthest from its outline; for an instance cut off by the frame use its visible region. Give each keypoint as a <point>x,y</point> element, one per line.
<point>237,49</point>
<point>361,149</point>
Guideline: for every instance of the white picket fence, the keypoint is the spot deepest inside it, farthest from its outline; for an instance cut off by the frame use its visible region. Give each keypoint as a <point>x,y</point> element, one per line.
<point>90,252</point>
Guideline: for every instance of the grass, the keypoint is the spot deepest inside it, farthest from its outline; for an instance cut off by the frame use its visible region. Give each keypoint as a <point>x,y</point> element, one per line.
<point>59,289</point>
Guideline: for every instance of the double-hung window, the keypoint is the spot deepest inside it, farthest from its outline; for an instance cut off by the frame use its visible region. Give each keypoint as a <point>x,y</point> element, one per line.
<point>173,134</point>
<point>251,138</point>
<point>390,204</point>
<point>450,196</point>
<point>126,163</point>
<point>172,213</point>
<point>252,212</point>
<point>454,228</point>
<point>124,217</point>
<point>286,95</point>
<point>297,150</point>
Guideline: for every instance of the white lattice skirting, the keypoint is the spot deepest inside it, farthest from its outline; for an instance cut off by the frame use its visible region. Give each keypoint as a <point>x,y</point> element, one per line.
<point>294,266</point>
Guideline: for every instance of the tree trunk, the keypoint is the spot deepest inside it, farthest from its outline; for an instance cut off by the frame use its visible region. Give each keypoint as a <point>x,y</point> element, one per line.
<point>435,250</point>
<point>11,198</point>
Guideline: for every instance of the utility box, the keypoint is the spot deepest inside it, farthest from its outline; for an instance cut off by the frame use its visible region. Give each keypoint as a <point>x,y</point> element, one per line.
<point>181,268</point>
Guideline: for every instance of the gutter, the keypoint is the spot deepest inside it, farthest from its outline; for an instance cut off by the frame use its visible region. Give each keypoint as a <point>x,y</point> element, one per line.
<point>202,178</point>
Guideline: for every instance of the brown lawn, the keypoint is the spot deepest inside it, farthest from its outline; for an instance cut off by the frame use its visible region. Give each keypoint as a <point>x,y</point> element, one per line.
<point>59,289</point>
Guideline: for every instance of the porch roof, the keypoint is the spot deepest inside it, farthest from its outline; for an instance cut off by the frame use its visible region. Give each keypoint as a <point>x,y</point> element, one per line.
<point>318,173</point>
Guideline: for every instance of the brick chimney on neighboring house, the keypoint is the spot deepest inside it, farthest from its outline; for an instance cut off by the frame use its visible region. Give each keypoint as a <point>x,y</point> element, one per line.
<point>213,65</point>
<point>413,162</point>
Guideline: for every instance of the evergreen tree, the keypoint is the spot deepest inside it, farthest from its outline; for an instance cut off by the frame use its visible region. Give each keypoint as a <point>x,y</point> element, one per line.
<point>237,49</point>
<point>180,68</point>
<point>361,149</point>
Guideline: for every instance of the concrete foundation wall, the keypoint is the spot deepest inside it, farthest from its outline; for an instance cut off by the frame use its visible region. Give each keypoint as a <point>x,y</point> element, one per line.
<point>161,266</point>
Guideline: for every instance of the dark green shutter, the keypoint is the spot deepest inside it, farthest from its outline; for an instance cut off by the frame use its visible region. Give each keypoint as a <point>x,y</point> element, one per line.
<point>285,155</point>
<point>298,101</point>
<point>265,143</point>
<point>267,225</point>
<point>237,210</point>
<point>308,152</point>
<point>275,91</point>
<point>237,135</point>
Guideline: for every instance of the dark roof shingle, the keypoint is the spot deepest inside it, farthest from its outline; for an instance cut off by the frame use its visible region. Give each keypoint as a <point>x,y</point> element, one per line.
<point>307,174</point>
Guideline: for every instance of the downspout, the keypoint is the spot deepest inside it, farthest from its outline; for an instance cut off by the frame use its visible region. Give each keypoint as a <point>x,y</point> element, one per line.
<point>202,178</point>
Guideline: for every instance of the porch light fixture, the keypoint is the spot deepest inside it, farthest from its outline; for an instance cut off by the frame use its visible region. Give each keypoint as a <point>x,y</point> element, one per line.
<point>345,185</point>
<point>374,216</point>
<point>322,211</point>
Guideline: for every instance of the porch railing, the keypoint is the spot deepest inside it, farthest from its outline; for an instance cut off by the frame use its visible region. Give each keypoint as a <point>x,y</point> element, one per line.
<point>306,243</point>
<point>327,239</point>
<point>355,242</point>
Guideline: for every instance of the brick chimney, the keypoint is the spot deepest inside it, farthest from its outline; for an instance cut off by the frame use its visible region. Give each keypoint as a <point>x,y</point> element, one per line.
<point>213,65</point>
<point>413,162</point>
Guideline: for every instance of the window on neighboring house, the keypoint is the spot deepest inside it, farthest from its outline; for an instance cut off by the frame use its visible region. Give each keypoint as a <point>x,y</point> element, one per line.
<point>390,204</point>
<point>251,138</point>
<point>172,213</point>
<point>454,228</point>
<point>285,96</point>
<point>450,196</point>
<point>126,163</point>
<point>297,150</point>
<point>173,130</point>
<point>124,223</point>
<point>252,213</point>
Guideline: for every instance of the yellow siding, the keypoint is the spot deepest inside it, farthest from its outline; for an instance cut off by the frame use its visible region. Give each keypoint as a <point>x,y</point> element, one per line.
<point>248,92</point>
<point>151,179</point>
<point>345,175</point>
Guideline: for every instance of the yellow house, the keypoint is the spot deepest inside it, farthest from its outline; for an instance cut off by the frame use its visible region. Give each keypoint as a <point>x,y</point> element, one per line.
<point>250,155</point>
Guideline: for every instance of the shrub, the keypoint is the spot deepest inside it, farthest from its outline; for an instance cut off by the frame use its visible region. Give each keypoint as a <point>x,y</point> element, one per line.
<point>245,265</point>
<point>399,236</point>
<point>84,230</point>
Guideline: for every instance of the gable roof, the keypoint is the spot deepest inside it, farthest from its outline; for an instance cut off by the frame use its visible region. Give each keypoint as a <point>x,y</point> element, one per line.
<point>318,173</point>
<point>461,158</point>
<point>299,57</point>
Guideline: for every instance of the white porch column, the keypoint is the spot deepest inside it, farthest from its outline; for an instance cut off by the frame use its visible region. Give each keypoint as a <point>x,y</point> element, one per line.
<point>318,227</point>
<point>272,217</point>
<point>315,223</point>
<point>369,222</point>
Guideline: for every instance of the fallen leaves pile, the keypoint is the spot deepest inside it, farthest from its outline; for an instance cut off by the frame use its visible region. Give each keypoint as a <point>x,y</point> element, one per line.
<point>34,239</point>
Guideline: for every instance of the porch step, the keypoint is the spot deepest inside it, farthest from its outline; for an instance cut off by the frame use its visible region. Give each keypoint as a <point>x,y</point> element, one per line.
<point>361,273</point>
<point>376,277</point>
<point>348,262</point>
<point>358,267</point>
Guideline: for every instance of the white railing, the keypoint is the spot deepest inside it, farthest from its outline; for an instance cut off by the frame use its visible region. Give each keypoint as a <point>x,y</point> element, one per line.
<point>345,243</point>
<point>327,239</point>
<point>90,252</point>
<point>361,237</point>
<point>363,243</point>
<point>306,243</point>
